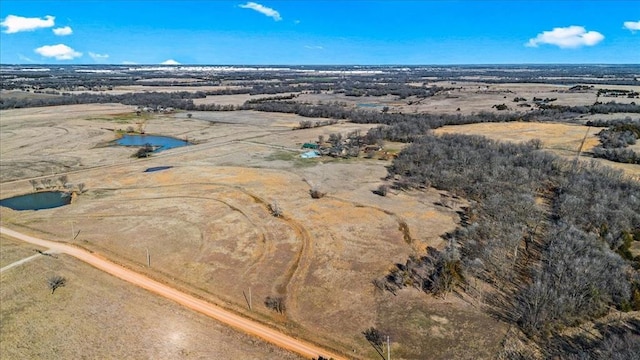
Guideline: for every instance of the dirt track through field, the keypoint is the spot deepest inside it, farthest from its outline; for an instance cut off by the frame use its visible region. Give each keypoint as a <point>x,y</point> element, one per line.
<point>20,262</point>
<point>248,326</point>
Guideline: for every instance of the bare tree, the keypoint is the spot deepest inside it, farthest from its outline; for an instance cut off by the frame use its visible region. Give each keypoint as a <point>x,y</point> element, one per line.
<point>63,179</point>
<point>81,187</point>
<point>55,282</point>
<point>275,303</point>
<point>374,337</point>
<point>275,209</point>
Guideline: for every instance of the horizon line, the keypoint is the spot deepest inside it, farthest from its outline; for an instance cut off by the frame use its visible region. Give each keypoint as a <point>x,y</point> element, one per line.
<point>320,65</point>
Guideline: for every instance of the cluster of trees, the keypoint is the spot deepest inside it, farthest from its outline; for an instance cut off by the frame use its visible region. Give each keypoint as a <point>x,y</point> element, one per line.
<point>626,156</point>
<point>618,93</point>
<point>597,108</point>
<point>308,124</point>
<point>437,273</point>
<point>61,182</point>
<point>613,141</point>
<point>397,126</point>
<point>401,90</point>
<point>549,235</point>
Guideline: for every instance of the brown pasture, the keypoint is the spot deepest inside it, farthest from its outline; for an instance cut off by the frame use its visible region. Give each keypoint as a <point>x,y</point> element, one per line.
<point>98,316</point>
<point>208,230</point>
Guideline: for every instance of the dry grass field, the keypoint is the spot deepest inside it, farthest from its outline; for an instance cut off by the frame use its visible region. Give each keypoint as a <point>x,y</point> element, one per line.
<point>561,139</point>
<point>96,316</point>
<point>469,97</point>
<point>207,226</point>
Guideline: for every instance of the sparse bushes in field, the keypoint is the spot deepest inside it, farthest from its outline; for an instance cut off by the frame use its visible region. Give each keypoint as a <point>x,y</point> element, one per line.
<point>62,180</point>
<point>56,281</point>
<point>305,124</point>
<point>275,210</point>
<point>144,151</point>
<point>316,193</point>
<point>34,184</point>
<point>374,337</point>
<point>382,190</point>
<point>275,304</point>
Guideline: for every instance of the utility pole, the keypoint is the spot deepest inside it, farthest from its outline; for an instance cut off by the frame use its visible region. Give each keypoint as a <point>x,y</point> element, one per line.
<point>248,298</point>
<point>575,162</point>
<point>388,349</point>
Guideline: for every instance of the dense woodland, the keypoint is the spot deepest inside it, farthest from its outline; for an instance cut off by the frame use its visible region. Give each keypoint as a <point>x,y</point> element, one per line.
<point>550,236</point>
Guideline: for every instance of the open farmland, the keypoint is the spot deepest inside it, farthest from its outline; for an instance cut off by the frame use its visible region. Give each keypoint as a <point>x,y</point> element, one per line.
<point>98,316</point>
<point>204,222</point>
<point>561,139</point>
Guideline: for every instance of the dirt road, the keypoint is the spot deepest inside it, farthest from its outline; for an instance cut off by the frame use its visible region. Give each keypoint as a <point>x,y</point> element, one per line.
<point>248,326</point>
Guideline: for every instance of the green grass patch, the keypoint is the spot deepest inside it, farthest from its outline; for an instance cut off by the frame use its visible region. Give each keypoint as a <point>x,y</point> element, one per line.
<point>294,158</point>
<point>282,155</point>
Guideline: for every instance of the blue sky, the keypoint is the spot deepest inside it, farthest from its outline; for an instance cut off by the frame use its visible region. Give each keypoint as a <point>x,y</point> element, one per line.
<point>319,32</point>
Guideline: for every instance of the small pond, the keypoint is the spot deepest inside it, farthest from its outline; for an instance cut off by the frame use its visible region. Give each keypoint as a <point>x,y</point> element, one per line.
<point>158,142</point>
<point>368,105</point>
<point>157,168</point>
<point>37,200</point>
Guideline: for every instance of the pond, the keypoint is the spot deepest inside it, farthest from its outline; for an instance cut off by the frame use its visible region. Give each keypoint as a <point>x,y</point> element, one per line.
<point>368,105</point>
<point>157,168</point>
<point>158,142</point>
<point>37,201</point>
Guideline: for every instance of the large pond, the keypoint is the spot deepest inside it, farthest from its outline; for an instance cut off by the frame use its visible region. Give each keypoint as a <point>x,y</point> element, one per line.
<point>37,201</point>
<point>158,142</point>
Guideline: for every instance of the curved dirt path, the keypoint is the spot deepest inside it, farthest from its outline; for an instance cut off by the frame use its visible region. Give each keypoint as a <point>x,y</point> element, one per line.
<point>226,317</point>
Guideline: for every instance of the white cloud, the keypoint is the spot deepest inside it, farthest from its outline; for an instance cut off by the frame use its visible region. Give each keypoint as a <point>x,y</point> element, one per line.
<point>59,52</point>
<point>63,31</point>
<point>98,57</point>
<point>263,10</point>
<point>567,37</point>
<point>632,25</point>
<point>313,47</point>
<point>126,62</point>
<point>14,24</point>
<point>170,62</point>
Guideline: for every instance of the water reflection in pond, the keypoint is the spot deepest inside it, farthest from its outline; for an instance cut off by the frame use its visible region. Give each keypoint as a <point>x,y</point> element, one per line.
<point>158,142</point>
<point>37,201</point>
